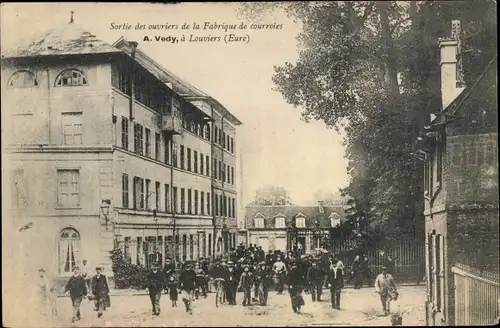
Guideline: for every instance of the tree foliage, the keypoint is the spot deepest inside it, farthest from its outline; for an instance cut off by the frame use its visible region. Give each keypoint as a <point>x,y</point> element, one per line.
<point>271,195</point>
<point>126,274</point>
<point>372,68</point>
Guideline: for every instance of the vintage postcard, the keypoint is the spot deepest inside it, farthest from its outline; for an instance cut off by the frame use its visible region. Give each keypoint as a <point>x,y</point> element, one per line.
<point>249,164</point>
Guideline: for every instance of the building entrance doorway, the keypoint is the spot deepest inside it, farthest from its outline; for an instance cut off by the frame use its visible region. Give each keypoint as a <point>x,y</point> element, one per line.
<point>301,241</point>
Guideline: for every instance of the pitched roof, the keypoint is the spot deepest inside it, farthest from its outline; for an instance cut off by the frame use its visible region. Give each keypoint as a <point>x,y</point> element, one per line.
<point>453,108</point>
<point>311,213</point>
<point>67,39</point>
<point>181,87</point>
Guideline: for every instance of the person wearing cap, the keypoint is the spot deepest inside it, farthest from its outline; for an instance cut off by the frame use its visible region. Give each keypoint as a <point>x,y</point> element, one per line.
<point>279,270</point>
<point>156,284</point>
<point>100,291</point>
<point>396,311</point>
<point>315,281</point>
<point>261,281</point>
<point>246,282</point>
<point>231,283</point>
<point>384,286</point>
<point>200,281</point>
<point>187,285</point>
<point>77,288</point>
<point>295,283</point>
<point>335,282</point>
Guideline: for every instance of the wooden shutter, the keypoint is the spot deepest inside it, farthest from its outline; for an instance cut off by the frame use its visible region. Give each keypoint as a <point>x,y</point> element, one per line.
<point>442,270</point>
<point>428,265</point>
<point>434,271</point>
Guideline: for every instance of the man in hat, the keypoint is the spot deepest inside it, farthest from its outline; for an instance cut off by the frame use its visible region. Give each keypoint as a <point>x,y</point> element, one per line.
<point>200,281</point>
<point>261,281</point>
<point>295,283</point>
<point>77,288</point>
<point>335,282</point>
<point>246,282</point>
<point>315,281</point>
<point>279,270</point>
<point>100,291</point>
<point>384,286</point>
<point>356,272</point>
<point>168,270</point>
<point>231,283</point>
<point>187,284</point>
<point>270,257</point>
<point>156,283</point>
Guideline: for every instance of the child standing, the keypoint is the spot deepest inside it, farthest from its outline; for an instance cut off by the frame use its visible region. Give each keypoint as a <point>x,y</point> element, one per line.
<point>395,310</point>
<point>172,286</point>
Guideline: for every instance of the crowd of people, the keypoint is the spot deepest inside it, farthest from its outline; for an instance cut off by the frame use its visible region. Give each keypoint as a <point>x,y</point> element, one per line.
<point>249,270</point>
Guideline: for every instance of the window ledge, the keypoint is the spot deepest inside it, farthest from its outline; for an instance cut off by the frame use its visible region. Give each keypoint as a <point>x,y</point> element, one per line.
<point>68,208</point>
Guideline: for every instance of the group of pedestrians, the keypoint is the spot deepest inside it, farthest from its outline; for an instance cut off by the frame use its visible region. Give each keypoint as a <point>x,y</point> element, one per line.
<point>79,286</point>
<point>248,270</point>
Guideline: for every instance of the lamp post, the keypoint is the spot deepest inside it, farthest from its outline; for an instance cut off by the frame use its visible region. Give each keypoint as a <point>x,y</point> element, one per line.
<point>224,238</point>
<point>335,223</point>
<point>292,236</point>
<point>105,205</point>
<point>317,234</point>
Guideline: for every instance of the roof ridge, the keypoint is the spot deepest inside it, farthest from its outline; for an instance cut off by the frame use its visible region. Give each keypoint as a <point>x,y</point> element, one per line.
<point>65,39</point>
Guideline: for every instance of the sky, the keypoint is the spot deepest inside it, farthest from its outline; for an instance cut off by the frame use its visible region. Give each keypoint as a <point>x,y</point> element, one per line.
<point>277,147</point>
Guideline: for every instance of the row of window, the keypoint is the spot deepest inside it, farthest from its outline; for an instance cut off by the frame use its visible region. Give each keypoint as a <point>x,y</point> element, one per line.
<point>191,201</point>
<point>145,251</point>
<point>279,222</point>
<point>190,160</point>
<point>151,250</point>
<point>145,92</point>
<point>68,77</point>
<point>223,139</point>
<point>160,100</point>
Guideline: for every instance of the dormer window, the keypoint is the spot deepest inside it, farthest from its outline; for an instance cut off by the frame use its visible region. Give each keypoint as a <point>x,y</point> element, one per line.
<point>22,79</point>
<point>300,221</point>
<point>280,221</point>
<point>334,220</point>
<point>259,221</point>
<point>70,77</point>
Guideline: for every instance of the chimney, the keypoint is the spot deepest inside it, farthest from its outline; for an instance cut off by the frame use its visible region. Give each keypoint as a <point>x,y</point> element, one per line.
<point>320,205</point>
<point>451,66</point>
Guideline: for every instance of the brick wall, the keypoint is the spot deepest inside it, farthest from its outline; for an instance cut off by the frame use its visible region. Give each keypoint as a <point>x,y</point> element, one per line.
<point>472,169</point>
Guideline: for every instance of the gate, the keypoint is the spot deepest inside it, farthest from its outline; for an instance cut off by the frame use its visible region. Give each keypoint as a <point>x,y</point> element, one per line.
<point>476,297</point>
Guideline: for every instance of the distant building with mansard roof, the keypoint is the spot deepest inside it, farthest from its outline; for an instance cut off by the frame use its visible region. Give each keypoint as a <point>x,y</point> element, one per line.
<point>270,226</point>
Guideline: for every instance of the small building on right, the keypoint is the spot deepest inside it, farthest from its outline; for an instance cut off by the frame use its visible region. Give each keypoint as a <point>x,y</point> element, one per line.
<point>459,149</point>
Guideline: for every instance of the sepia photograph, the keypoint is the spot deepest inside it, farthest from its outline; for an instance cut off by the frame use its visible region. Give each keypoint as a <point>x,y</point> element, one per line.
<point>250,164</point>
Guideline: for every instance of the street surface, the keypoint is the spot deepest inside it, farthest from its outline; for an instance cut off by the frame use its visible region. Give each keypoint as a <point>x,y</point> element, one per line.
<point>358,307</point>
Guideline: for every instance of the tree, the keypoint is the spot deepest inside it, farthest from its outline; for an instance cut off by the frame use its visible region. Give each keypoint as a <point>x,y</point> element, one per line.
<point>271,195</point>
<point>372,67</point>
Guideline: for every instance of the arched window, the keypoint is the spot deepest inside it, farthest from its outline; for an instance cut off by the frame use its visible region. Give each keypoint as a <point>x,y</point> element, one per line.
<point>69,250</point>
<point>70,77</point>
<point>22,79</point>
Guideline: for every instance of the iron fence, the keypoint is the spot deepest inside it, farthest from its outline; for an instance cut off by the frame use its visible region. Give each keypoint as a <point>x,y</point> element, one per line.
<point>476,296</point>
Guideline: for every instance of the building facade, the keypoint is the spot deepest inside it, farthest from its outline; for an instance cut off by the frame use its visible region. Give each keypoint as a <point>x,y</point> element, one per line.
<point>285,227</point>
<point>104,148</point>
<point>460,153</point>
